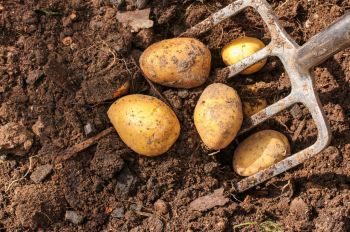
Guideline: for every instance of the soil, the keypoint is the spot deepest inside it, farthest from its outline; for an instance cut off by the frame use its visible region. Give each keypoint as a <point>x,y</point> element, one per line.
<point>62,61</point>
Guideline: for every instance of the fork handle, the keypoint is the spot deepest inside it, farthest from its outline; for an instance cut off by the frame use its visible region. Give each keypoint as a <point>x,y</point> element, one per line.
<point>323,45</point>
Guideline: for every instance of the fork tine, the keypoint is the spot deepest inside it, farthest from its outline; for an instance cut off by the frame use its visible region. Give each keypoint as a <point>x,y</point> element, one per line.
<point>248,61</point>
<point>266,113</point>
<point>216,18</point>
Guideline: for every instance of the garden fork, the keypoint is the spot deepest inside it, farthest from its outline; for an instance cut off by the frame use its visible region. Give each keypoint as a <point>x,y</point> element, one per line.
<point>298,62</point>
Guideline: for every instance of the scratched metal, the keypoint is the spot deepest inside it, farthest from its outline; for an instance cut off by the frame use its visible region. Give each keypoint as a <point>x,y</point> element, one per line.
<point>298,61</point>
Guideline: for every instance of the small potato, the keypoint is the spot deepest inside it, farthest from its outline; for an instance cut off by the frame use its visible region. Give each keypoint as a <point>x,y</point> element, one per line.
<point>144,123</point>
<point>253,106</point>
<point>241,48</point>
<point>218,116</point>
<point>260,151</point>
<point>178,62</point>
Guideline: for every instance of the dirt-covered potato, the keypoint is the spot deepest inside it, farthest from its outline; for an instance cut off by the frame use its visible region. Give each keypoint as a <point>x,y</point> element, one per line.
<point>178,62</point>
<point>144,123</point>
<point>253,106</point>
<point>260,151</point>
<point>241,48</point>
<point>218,116</point>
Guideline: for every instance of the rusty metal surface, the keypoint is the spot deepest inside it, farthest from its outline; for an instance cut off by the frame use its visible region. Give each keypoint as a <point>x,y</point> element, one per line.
<point>302,80</point>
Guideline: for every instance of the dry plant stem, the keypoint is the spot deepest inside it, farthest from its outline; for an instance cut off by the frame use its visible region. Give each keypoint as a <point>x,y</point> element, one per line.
<point>72,151</point>
<point>23,177</point>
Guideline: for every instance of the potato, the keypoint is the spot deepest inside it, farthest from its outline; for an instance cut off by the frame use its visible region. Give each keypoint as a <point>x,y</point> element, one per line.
<point>260,151</point>
<point>241,48</point>
<point>251,107</point>
<point>178,62</point>
<point>218,116</point>
<point>145,124</point>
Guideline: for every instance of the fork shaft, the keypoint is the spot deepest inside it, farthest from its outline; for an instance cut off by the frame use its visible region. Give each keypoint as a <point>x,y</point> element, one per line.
<point>323,45</point>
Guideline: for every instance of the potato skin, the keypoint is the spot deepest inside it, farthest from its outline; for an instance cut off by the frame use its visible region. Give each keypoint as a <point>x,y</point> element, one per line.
<point>178,62</point>
<point>259,151</point>
<point>218,116</point>
<point>145,124</point>
<point>251,107</point>
<point>241,48</point>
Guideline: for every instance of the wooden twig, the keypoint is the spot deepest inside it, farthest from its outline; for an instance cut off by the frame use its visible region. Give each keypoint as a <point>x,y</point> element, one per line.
<point>72,151</point>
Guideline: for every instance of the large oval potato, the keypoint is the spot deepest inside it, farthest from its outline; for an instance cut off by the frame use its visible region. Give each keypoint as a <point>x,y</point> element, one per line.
<point>218,115</point>
<point>241,48</point>
<point>259,151</point>
<point>145,124</point>
<point>178,62</point>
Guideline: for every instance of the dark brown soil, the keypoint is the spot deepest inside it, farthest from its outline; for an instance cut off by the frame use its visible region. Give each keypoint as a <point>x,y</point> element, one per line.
<point>62,61</point>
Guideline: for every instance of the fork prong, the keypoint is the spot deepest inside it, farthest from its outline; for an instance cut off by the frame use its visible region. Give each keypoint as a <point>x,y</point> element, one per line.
<point>216,18</point>
<point>248,61</point>
<point>266,113</point>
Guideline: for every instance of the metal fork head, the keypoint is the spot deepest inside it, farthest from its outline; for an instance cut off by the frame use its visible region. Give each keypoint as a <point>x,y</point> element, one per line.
<point>302,81</point>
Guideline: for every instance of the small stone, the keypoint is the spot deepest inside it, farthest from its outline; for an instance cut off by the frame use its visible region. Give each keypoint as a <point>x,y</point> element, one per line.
<point>183,93</point>
<point>118,212</point>
<point>74,217</point>
<point>67,40</point>
<point>41,173</point>
<point>161,207</point>
<point>88,128</point>
<point>1,7</point>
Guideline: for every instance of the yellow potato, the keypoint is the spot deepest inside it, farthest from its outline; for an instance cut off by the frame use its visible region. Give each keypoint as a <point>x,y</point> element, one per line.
<point>144,123</point>
<point>253,106</point>
<point>241,48</point>
<point>218,116</point>
<point>260,151</point>
<point>178,62</point>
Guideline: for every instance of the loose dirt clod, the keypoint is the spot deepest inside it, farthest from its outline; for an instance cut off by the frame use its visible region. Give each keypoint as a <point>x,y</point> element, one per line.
<point>217,198</point>
<point>15,139</point>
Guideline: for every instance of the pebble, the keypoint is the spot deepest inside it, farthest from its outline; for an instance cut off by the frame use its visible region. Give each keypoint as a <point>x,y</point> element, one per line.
<point>88,128</point>
<point>161,207</point>
<point>74,217</point>
<point>118,212</point>
<point>41,173</point>
<point>183,93</point>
